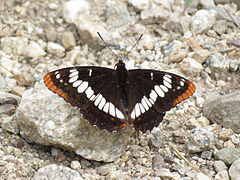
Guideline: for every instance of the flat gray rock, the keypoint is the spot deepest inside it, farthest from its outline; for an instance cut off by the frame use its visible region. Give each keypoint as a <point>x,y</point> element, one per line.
<point>224,110</point>
<point>46,119</point>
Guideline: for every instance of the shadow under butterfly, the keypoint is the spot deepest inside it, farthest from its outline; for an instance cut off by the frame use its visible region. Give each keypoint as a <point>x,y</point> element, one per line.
<point>111,98</point>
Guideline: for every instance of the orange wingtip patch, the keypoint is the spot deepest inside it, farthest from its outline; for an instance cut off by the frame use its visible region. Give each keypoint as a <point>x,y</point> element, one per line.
<point>189,92</point>
<point>123,125</point>
<point>48,82</point>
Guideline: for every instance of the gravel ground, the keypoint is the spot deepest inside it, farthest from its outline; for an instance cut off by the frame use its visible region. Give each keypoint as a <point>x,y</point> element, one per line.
<point>200,41</point>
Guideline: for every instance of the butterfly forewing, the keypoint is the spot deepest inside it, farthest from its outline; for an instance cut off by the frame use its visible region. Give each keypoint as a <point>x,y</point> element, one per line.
<point>93,90</point>
<point>152,93</point>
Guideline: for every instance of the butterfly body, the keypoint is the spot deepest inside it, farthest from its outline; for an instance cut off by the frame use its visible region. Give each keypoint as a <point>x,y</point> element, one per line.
<point>111,98</point>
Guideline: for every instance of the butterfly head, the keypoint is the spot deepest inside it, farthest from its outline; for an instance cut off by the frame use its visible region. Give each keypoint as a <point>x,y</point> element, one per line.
<point>119,65</point>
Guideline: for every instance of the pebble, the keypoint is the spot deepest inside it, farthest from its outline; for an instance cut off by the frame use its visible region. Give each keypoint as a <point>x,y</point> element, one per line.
<point>51,34</point>
<point>234,170</point>
<point>222,175</point>
<point>228,155</point>
<point>75,165</point>
<point>191,67</point>
<point>74,8</point>
<point>33,50</point>
<point>164,173</point>
<point>68,40</point>
<point>117,14</point>
<point>140,5</point>
<point>224,134</point>
<point>10,124</point>
<point>55,48</point>
<point>55,171</point>
<point>201,139</point>
<point>219,166</point>
<point>13,45</point>
<point>203,20</point>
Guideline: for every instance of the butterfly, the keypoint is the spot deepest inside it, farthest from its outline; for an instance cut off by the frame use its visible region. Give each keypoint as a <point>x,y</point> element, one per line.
<point>111,98</point>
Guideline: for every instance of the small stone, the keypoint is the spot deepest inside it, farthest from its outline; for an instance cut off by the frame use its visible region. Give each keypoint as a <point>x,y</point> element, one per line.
<point>228,144</point>
<point>164,173</point>
<point>234,170</point>
<point>55,48</point>
<point>224,134</point>
<point>191,67</point>
<point>14,45</point>
<point>201,139</point>
<point>207,3</point>
<point>228,155</point>
<point>33,50</point>
<point>103,170</point>
<point>10,124</point>
<point>60,157</point>
<point>55,152</point>
<point>140,5</point>
<point>219,166</point>
<point>68,40</point>
<point>75,165</point>
<point>234,65</point>
<point>200,55</point>
<point>117,14</point>
<point>206,155</point>
<point>201,176</point>
<point>177,56</point>
<point>203,122</point>
<point>51,34</point>
<point>73,8</point>
<point>158,162</point>
<point>203,20</point>
<point>54,171</point>
<point>224,110</point>
<point>222,175</point>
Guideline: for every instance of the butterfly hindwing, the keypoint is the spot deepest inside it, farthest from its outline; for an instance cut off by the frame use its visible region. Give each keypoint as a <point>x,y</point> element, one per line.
<point>84,88</point>
<point>156,93</point>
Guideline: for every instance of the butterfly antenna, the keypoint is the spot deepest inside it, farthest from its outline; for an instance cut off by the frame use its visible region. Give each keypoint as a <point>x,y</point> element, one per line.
<point>133,47</point>
<point>107,45</point>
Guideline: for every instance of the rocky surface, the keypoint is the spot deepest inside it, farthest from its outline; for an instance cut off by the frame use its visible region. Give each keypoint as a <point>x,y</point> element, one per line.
<point>43,137</point>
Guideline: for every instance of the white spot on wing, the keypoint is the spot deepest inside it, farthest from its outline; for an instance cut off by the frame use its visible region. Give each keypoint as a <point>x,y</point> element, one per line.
<point>119,114</point>
<point>137,109</point>
<point>151,100</point>
<point>97,101</point>
<point>144,103</point>
<point>92,98</point>
<point>82,87</point>
<point>141,108</point>
<point>73,79</point>
<point>77,83</point>
<point>151,76</point>
<point>89,92</point>
<point>102,103</point>
<point>106,107</point>
<point>72,70</point>
<point>148,102</point>
<point>164,88</point>
<point>133,115</point>
<point>90,72</point>
<point>166,77</point>
<point>56,72</point>
<point>182,82</point>
<point>58,76</point>
<point>167,84</point>
<point>153,95</point>
<point>73,74</point>
<point>159,91</point>
<point>112,109</point>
